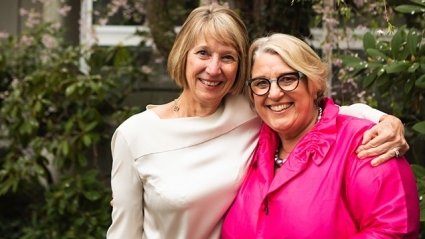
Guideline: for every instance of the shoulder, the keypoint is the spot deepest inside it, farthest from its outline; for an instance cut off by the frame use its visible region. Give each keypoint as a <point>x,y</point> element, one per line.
<point>343,122</point>
<point>352,125</point>
<point>136,124</point>
<point>344,130</point>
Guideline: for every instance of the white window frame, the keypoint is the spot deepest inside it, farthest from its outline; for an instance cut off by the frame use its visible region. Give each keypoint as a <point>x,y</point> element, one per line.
<point>107,35</point>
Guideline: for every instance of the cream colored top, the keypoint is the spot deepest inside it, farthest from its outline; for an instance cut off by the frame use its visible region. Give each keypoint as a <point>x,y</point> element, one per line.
<point>175,178</point>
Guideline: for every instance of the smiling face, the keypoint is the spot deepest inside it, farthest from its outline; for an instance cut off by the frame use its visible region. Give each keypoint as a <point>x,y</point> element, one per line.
<point>211,70</point>
<point>291,114</point>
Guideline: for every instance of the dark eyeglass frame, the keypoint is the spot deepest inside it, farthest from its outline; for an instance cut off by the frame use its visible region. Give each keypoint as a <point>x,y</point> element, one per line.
<point>298,74</point>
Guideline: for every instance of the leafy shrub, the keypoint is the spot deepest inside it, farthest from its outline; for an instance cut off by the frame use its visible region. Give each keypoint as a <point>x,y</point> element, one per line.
<point>394,67</point>
<point>55,127</point>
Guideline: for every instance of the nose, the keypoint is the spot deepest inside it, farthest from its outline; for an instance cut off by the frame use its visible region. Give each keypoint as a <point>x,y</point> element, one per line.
<point>213,67</point>
<point>275,90</point>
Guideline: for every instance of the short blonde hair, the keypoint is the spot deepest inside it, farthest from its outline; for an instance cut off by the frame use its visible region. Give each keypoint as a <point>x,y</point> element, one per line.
<point>298,55</point>
<point>212,21</point>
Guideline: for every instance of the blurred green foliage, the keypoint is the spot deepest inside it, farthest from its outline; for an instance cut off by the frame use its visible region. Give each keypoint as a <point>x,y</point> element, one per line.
<point>393,67</point>
<point>55,128</point>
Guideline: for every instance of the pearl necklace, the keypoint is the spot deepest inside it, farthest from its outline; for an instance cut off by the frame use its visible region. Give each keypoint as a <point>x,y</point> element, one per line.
<point>278,162</point>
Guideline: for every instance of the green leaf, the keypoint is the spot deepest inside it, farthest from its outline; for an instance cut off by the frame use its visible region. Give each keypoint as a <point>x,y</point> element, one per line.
<point>420,2</point>
<point>70,89</point>
<point>368,80</point>
<point>412,41</point>
<point>397,67</point>
<point>87,140</point>
<point>354,62</point>
<point>420,82</point>
<point>68,125</point>
<point>369,41</point>
<point>419,127</point>
<point>90,126</point>
<point>376,54</point>
<point>408,86</point>
<point>409,9</point>
<point>91,195</point>
<point>122,57</point>
<point>380,71</point>
<point>397,42</point>
<point>64,147</point>
<point>413,67</point>
<point>419,170</point>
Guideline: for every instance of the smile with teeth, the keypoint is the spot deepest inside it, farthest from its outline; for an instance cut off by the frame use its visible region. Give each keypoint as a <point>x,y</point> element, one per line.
<point>278,108</point>
<point>210,83</point>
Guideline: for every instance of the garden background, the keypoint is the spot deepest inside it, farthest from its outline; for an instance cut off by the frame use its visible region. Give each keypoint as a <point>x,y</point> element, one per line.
<point>63,91</point>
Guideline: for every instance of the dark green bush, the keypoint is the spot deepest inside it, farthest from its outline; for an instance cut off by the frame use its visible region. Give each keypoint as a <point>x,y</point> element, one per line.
<point>55,128</point>
<point>394,67</point>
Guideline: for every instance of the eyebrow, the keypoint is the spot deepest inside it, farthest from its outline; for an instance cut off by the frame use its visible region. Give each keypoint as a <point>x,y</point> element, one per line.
<point>281,74</point>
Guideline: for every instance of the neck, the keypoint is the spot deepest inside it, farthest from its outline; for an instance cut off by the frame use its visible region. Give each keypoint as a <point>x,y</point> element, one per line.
<point>289,140</point>
<point>186,106</point>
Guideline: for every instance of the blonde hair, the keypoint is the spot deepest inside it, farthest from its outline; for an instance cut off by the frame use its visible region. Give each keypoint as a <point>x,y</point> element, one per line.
<point>298,55</point>
<point>212,21</point>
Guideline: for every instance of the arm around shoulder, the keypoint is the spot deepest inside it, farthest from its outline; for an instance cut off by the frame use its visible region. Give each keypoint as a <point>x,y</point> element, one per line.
<point>362,111</point>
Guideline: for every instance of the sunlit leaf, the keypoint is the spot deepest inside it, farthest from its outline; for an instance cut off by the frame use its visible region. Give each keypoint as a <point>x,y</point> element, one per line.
<point>368,80</point>
<point>408,9</point>
<point>413,67</point>
<point>376,54</point>
<point>369,41</point>
<point>419,127</point>
<point>397,67</point>
<point>412,41</point>
<point>396,43</point>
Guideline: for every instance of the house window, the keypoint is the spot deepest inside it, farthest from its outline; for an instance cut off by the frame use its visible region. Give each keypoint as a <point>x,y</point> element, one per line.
<point>106,23</point>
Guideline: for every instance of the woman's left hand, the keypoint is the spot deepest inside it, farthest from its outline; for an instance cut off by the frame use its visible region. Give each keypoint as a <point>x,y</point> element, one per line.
<point>384,140</point>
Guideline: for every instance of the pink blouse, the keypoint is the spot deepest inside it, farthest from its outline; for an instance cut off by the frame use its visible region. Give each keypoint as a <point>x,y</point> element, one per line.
<point>324,190</point>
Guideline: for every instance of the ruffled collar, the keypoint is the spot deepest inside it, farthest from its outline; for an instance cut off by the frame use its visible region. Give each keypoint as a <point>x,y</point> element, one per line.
<point>314,146</point>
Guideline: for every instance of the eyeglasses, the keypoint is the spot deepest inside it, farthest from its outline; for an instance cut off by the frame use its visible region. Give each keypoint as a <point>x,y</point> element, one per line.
<point>287,82</point>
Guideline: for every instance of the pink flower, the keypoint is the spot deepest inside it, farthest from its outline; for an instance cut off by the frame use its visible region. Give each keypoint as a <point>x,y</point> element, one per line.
<point>33,19</point>
<point>103,21</point>
<point>49,42</point>
<point>146,69</point>
<point>63,11</point>
<point>23,12</point>
<point>27,40</point>
<point>4,35</point>
<point>338,62</point>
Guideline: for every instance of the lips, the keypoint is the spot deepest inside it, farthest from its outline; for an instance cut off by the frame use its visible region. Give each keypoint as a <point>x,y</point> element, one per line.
<point>211,83</point>
<point>280,107</point>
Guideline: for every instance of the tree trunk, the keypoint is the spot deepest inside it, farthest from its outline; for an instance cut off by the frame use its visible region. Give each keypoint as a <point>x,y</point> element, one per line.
<point>328,27</point>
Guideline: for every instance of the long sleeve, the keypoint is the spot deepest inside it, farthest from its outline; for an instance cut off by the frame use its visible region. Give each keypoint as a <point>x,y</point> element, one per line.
<point>362,111</point>
<point>127,193</point>
<point>383,200</point>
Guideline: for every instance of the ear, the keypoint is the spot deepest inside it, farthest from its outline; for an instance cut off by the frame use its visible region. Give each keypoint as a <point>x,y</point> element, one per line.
<point>320,97</point>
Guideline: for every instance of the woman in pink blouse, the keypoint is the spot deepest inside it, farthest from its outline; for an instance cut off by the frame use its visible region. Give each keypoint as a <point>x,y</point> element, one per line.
<point>306,180</point>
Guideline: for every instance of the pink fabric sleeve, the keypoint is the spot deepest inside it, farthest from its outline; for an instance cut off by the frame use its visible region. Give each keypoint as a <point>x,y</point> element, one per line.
<point>383,199</point>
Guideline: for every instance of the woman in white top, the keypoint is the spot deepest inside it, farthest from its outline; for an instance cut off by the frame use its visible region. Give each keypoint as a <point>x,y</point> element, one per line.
<point>177,167</point>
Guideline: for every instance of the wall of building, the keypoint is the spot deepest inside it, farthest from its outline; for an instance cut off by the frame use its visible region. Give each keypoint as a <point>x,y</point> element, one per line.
<point>9,16</point>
